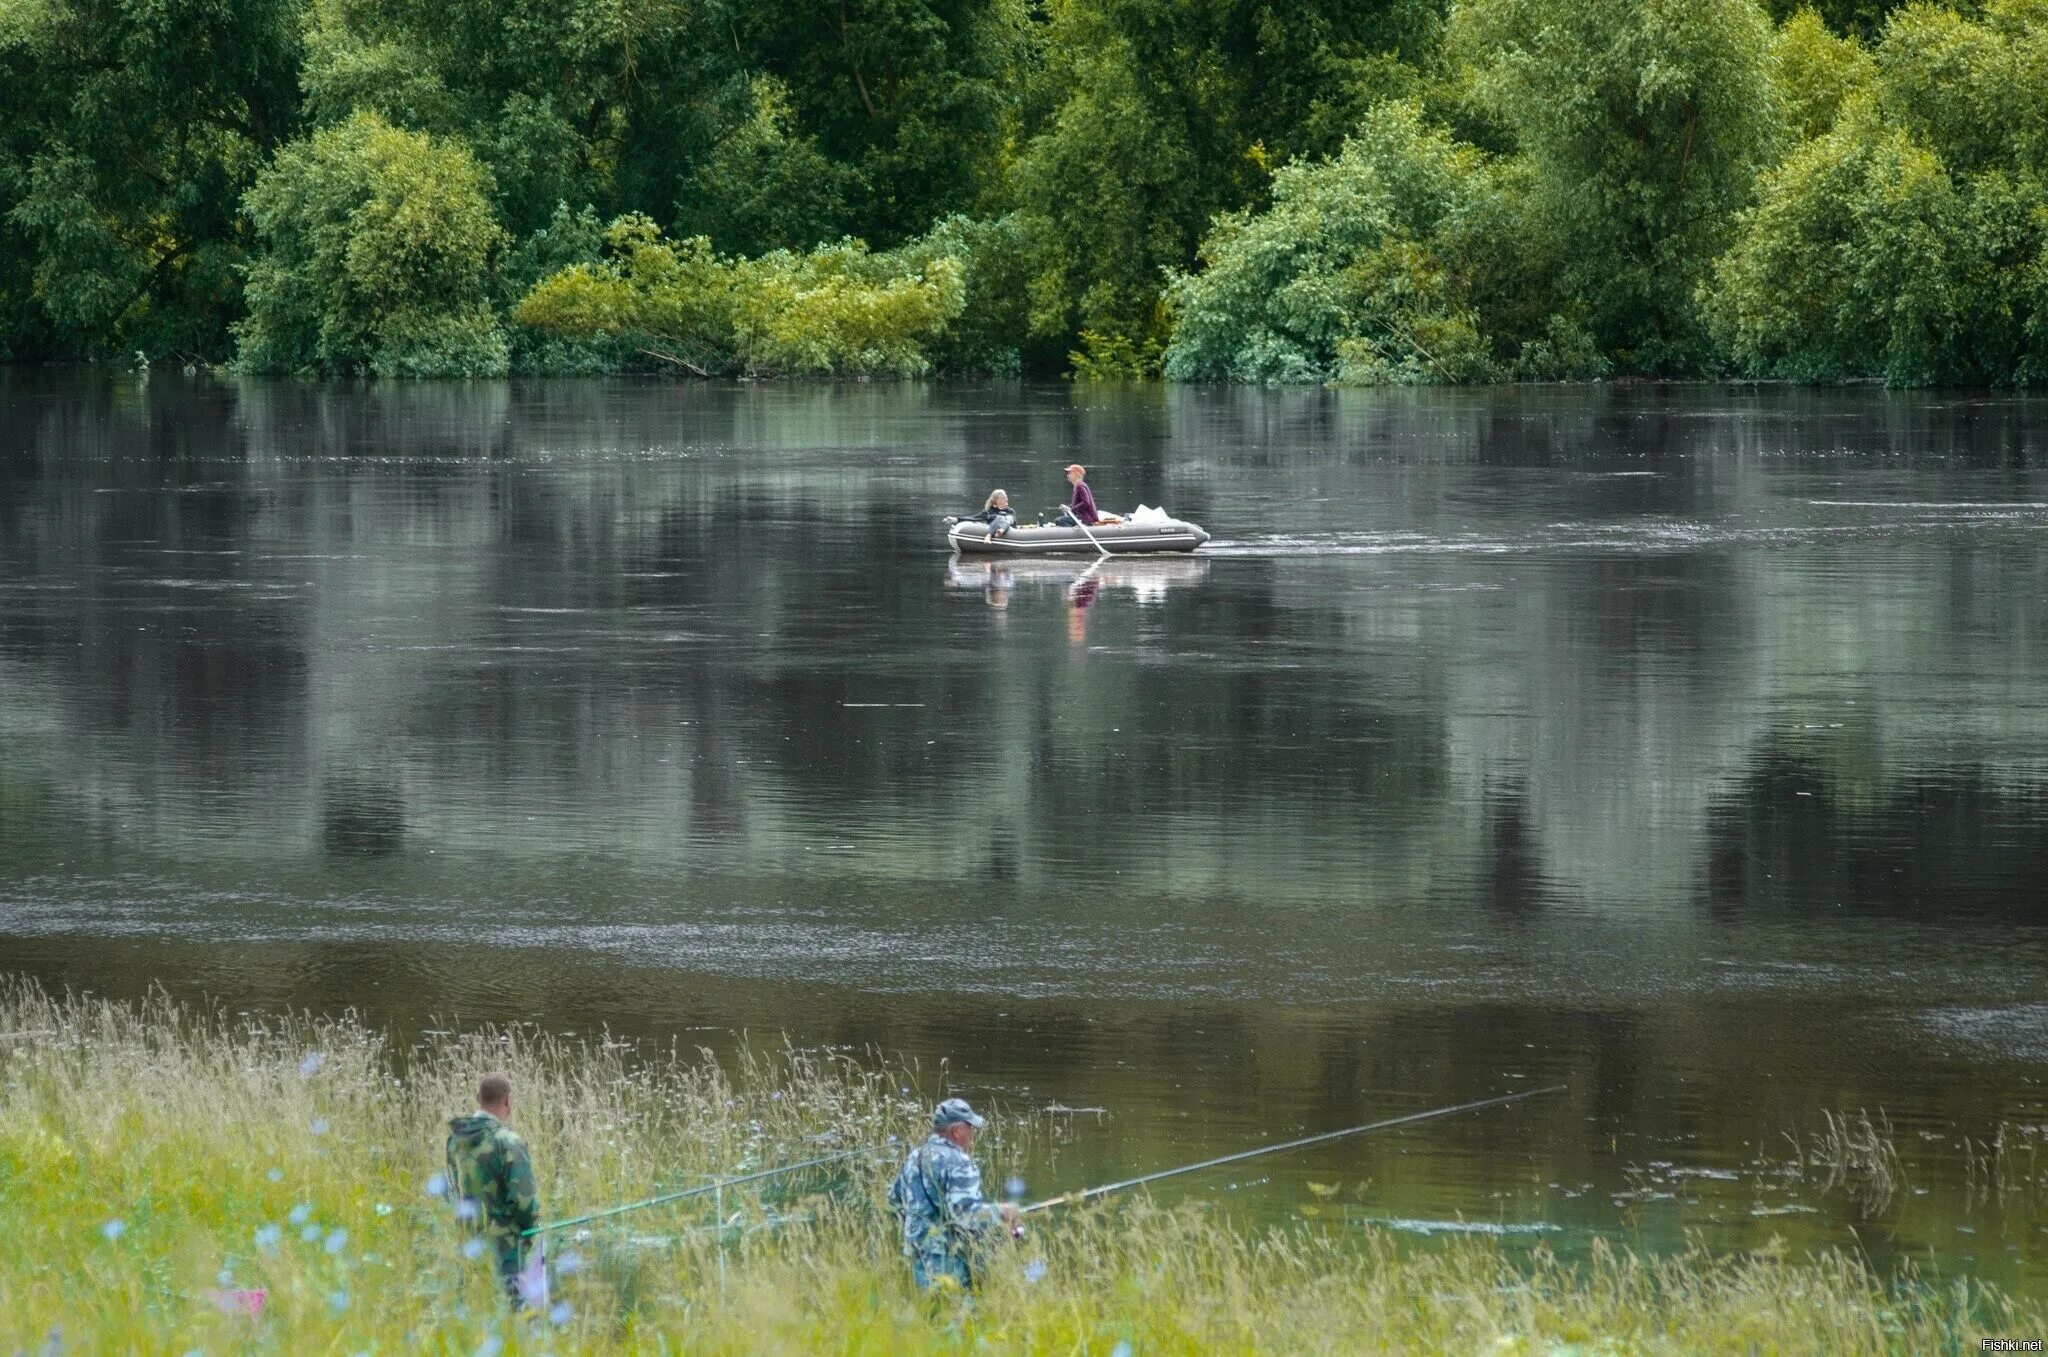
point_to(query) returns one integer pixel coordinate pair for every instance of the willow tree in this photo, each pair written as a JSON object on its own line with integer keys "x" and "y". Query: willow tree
{"x": 1644, "y": 124}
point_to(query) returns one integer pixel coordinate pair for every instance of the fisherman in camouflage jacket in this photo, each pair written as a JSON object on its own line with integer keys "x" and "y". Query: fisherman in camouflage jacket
{"x": 490, "y": 1179}
{"x": 938, "y": 1197}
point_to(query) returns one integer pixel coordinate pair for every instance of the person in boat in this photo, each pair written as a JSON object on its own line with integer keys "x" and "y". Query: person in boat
{"x": 937, "y": 1197}
{"x": 997, "y": 513}
{"x": 1080, "y": 509}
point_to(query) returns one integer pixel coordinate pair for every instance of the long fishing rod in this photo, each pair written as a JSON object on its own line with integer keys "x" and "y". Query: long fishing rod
{"x": 704, "y": 1190}
{"x": 1409, "y": 1120}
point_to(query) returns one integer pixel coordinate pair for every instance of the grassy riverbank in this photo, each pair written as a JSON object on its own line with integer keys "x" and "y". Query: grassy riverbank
{"x": 156, "y": 1164}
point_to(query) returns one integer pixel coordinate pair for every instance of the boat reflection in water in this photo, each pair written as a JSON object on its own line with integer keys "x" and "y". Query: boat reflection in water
{"x": 1148, "y": 578}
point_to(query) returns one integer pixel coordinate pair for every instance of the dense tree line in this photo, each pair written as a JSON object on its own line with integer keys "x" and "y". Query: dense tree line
{"x": 1328, "y": 190}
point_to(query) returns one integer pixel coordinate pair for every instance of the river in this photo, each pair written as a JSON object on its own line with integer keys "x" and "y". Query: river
{"x": 1687, "y": 745}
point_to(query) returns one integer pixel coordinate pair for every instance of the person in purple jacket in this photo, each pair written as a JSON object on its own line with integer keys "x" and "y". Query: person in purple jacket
{"x": 1081, "y": 508}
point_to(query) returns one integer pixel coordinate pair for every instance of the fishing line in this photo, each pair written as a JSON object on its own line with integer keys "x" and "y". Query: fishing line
{"x": 704, "y": 1190}
{"x": 1408, "y": 1120}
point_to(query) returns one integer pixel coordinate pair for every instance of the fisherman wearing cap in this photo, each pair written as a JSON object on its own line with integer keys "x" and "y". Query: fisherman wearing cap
{"x": 938, "y": 1195}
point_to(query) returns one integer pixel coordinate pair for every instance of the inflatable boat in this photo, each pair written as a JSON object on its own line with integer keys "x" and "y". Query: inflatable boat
{"x": 1160, "y": 534}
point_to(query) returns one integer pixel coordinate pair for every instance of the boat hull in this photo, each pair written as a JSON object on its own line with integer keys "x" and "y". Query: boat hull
{"x": 1119, "y": 539}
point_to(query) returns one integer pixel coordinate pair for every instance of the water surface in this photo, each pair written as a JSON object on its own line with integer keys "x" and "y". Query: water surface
{"x": 1687, "y": 745}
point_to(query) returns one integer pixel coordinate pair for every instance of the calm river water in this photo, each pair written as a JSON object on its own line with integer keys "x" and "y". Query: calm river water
{"x": 1688, "y": 746}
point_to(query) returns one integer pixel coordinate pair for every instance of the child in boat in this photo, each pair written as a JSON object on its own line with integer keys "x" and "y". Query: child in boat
{"x": 997, "y": 513}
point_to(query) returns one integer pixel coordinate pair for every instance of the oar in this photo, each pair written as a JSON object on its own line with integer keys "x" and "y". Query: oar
{"x": 718, "y": 1186}
{"x": 1409, "y": 1120}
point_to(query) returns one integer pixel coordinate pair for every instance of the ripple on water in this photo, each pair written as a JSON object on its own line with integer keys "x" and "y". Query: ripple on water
{"x": 1484, "y": 1227}
{"x": 2009, "y": 1031}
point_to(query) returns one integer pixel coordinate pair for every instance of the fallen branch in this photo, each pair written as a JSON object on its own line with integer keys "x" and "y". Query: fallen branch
{"x": 678, "y": 361}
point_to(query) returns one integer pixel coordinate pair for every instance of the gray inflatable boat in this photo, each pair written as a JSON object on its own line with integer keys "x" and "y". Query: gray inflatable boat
{"x": 1119, "y": 539}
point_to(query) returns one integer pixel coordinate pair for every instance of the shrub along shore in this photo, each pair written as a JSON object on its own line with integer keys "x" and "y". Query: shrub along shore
{"x": 160, "y": 1167}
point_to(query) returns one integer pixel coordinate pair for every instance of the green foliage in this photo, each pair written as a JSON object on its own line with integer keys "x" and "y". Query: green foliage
{"x": 1645, "y": 122}
{"x": 576, "y": 100}
{"x": 1852, "y": 18}
{"x": 1974, "y": 90}
{"x": 992, "y": 329}
{"x": 1841, "y": 267}
{"x": 1113, "y": 358}
{"x": 1327, "y": 190}
{"x": 1361, "y": 267}
{"x": 1148, "y": 119}
{"x": 1816, "y": 73}
{"x": 1911, "y": 241}
{"x": 836, "y": 311}
{"x": 766, "y": 185}
{"x": 909, "y": 98}
{"x": 568, "y": 239}
{"x": 128, "y": 131}
{"x": 377, "y": 251}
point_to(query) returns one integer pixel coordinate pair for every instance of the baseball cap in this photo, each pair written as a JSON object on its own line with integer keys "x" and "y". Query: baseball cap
{"x": 953, "y": 1111}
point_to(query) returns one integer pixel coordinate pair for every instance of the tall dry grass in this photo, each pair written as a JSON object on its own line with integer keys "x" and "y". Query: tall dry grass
{"x": 156, "y": 1161}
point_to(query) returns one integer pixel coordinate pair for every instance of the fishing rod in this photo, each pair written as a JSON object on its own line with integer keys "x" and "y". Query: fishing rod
{"x": 704, "y": 1190}
{"x": 1076, "y": 1198}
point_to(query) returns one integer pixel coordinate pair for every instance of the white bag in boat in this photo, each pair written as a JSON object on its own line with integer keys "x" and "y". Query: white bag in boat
{"x": 1144, "y": 516}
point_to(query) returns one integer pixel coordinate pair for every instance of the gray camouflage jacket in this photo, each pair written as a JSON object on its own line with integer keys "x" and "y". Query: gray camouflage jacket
{"x": 938, "y": 1196}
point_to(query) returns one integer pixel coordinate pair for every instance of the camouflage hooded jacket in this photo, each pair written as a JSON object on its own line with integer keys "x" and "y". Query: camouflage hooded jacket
{"x": 937, "y": 1196}
{"x": 488, "y": 1165}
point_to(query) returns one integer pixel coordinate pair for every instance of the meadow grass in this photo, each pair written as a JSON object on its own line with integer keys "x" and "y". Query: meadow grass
{"x": 155, "y": 1160}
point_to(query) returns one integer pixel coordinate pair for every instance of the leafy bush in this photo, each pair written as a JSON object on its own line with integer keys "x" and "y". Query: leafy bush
{"x": 993, "y": 327}
{"x": 1840, "y": 268}
{"x": 377, "y": 252}
{"x": 839, "y": 310}
{"x": 1361, "y": 268}
{"x": 568, "y": 239}
{"x": 1911, "y": 241}
{"x": 1114, "y": 357}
